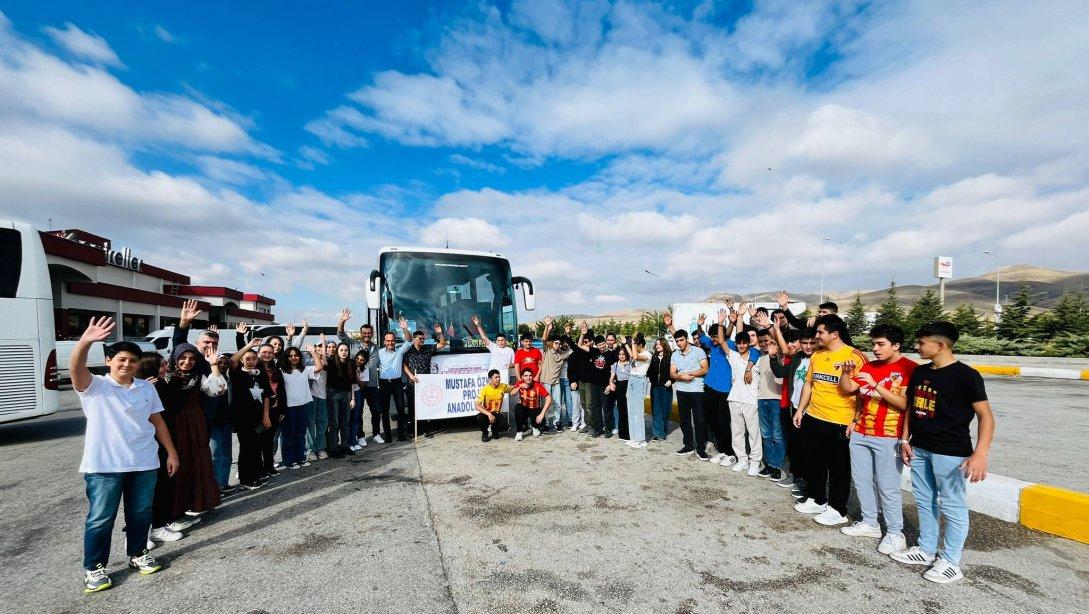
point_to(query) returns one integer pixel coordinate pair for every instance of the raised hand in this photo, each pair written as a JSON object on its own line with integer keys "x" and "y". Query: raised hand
{"x": 548, "y": 321}
{"x": 567, "y": 329}
{"x": 667, "y": 319}
{"x": 773, "y": 349}
{"x": 729, "y": 303}
{"x": 310, "y": 349}
{"x": 321, "y": 341}
{"x": 438, "y": 329}
{"x": 189, "y": 312}
{"x": 345, "y": 315}
{"x": 763, "y": 321}
{"x": 211, "y": 356}
{"x": 783, "y": 299}
{"x": 403, "y": 323}
{"x": 476, "y": 321}
{"x": 752, "y": 311}
{"x": 701, "y": 318}
{"x": 290, "y": 329}
{"x": 98, "y": 329}
{"x": 584, "y": 327}
{"x": 214, "y": 328}
{"x": 733, "y": 317}
{"x": 242, "y": 328}
{"x": 849, "y": 368}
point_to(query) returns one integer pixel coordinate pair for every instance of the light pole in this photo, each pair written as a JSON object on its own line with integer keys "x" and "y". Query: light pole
{"x": 824, "y": 244}
{"x": 997, "y": 286}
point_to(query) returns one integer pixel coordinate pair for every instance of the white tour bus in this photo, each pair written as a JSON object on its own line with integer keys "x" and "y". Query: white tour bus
{"x": 28, "y": 358}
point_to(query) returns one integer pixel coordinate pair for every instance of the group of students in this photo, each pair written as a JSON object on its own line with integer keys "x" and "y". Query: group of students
{"x": 781, "y": 398}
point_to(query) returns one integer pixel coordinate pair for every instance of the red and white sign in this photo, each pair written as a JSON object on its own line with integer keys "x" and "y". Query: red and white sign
{"x": 943, "y": 267}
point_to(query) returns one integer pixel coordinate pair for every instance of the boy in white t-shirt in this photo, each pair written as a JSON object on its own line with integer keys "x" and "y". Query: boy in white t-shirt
{"x": 501, "y": 353}
{"x": 744, "y": 419}
{"x": 120, "y": 454}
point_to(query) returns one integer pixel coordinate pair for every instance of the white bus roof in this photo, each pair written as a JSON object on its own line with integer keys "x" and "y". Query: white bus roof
{"x": 441, "y": 250}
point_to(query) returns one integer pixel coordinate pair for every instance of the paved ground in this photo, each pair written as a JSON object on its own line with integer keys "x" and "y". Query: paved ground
{"x": 559, "y": 524}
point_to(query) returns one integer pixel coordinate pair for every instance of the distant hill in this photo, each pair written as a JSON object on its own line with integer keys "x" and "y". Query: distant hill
{"x": 1045, "y": 285}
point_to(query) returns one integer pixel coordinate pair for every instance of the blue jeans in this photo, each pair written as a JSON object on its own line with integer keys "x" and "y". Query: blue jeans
{"x": 661, "y": 403}
{"x": 771, "y": 431}
{"x": 637, "y": 417}
{"x": 565, "y": 396}
{"x": 937, "y": 477}
{"x": 294, "y": 429}
{"x": 315, "y": 431}
{"x": 355, "y": 422}
{"x": 221, "y": 440}
{"x": 104, "y": 494}
{"x": 559, "y": 414}
{"x": 336, "y": 406}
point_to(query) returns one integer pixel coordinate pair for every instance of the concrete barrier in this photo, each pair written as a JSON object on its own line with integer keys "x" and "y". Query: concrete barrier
{"x": 1046, "y": 372}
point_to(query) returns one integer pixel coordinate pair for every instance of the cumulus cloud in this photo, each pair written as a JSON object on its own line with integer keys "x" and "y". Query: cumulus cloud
{"x": 468, "y": 232}
{"x": 84, "y": 45}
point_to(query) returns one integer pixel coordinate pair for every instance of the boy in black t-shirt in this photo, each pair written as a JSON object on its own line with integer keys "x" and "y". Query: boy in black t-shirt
{"x": 942, "y": 399}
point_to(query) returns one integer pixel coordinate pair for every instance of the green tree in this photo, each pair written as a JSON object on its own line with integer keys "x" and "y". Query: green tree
{"x": 1071, "y": 314}
{"x": 890, "y": 311}
{"x": 857, "y": 322}
{"x": 925, "y": 310}
{"x": 1014, "y": 322}
{"x": 967, "y": 320}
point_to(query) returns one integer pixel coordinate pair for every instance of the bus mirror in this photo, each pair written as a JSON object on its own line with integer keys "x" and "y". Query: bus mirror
{"x": 528, "y": 297}
{"x": 374, "y": 290}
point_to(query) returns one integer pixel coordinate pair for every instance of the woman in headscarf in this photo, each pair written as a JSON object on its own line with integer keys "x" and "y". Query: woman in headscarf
{"x": 193, "y": 486}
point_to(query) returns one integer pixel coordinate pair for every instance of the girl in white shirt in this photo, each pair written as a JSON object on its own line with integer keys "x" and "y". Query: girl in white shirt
{"x": 300, "y": 403}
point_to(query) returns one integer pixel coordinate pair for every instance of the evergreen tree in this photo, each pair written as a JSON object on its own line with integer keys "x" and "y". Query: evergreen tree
{"x": 890, "y": 311}
{"x": 1071, "y": 314}
{"x": 857, "y": 322}
{"x": 1014, "y": 322}
{"x": 967, "y": 320}
{"x": 925, "y": 310}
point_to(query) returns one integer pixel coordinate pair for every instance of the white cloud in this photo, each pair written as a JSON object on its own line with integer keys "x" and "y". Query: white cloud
{"x": 39, "y": 86}
{"x": 609, "y": 298}
{"x": 481, "y": 165}
{"x": 84, "y": 45}
{"x": 163, "y": 34}
{"x": 468, "y": 232}
{"x": 311, "y": 156}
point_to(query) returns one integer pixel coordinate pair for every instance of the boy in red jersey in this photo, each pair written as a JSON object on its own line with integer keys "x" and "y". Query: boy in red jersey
{"x": 875, "y": 432}
{"x": 528, "y": 357}
{"x": 533, "y": 404}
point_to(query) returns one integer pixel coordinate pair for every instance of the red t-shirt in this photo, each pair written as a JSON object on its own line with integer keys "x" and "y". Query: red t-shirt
{"x": 527, "y": 359}
{"x": 878, "y": 418}
{"x": 531, "y": 397}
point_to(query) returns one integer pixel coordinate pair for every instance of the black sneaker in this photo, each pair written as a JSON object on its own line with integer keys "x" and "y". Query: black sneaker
{"x": 595, "y": 433}
{"x": 349, "y": 451}
{"x": 685, "y": 451}
{"x": 228, "y": 489}
{"x": 703, "y": 455}
{"x": 776, "y": 475}
{"x": 253, "y": 486}
{"x": 484, "y": 437}
{"x": 765, "y": 472}
{"x": 655, "y": 439}
{"x": 608, "y": 434}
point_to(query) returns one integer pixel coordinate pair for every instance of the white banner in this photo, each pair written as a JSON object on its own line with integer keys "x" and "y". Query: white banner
{"x": 451, "y": 389}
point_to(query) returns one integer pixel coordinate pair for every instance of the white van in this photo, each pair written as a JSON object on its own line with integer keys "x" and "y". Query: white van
{"x": 96, "y": 358}
{"x": 28, "y": 357}
{"x": 160, "y": 340}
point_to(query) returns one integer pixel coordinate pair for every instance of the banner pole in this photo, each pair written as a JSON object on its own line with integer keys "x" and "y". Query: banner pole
{"x": 415, "y": 419}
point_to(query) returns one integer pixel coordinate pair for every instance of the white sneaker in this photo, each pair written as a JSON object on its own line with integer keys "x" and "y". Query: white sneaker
{"x": 754, "y": 469}
{"x": 194, "y": 514}
{"x": 642, "y": 444}
{"x": 810, "y": 506}
{"x": 728, "y": 461}
{"x": 861, "y": 529}
{"x": 892, "y": 542}
{"x": 741, "y": 465}
{"x": 635, "y": 444}
{"x": 574, "y": 428}
{"x": 305, "y": 464}
{"x": 378, "y": 438}
{"x": 150, "y": 545}
{"x": 717, "y": 458}
{"x": 536, "y": 432}
{"x": 518, "y": 436}
{"x": 294, "y": 466}
{"x": 912, "y": 556}
{"x": 943, "y": 572}
{"x": 181, "y": 525}
{"x": 165, "y": 534}
{"x": 616, "y": 431}
{"x": 322, "y": 454}
{"x": 830, "y": 517}
{"x": 362, "y": 442}
{"x": 311, "y": 457}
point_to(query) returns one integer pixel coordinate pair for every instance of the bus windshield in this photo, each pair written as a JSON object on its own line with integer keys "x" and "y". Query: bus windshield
{"x": 448, "y": 289}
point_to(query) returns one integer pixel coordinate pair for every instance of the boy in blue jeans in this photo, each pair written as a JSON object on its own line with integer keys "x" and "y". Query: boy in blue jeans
{"x": 942, "y": 399}
{"x": 120, "y": 454}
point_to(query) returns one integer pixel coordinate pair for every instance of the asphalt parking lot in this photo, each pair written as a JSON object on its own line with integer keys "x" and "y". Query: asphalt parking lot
{"x": 556, "y": 524}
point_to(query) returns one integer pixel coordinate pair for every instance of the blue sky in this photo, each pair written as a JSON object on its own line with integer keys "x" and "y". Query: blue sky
{"x": 716, "y": 144}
